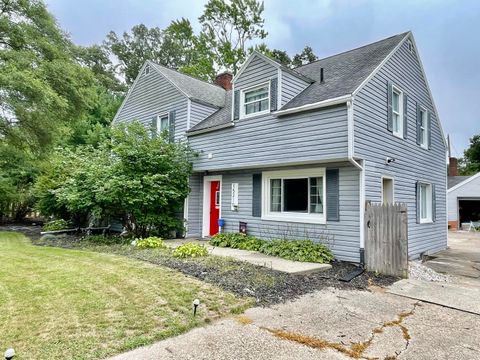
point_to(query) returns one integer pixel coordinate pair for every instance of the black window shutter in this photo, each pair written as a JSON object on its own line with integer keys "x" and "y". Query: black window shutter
{"x": 419, "y": 123}
{"x": 154, "y": 126}
{"x": 236, "y": 105}
{"x": 429, "y": 133}
{"x": 389, "y": 107}
{"x": 417, "y": 195}
{"x": 273, "y": 94}
{"x": 257, "y": 195}
{"x": 405, "y": 116}
{"x": 171, "y": 124}
{"x": 434, "y": 203}
{"x": 333, "y": 192}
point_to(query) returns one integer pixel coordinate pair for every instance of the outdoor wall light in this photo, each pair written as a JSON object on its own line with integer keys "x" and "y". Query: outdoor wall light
{"x": 389, "y": 160}
{"x": 9, "y": 354}
{"x": 196, "y": 302}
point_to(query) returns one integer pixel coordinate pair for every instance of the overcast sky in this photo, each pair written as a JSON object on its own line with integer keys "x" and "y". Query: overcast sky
{"x": 447, "y": 34}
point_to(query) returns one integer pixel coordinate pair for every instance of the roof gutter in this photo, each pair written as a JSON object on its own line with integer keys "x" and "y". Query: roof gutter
{"x": 317, "y": 105}
{"x": 203, "y": 131}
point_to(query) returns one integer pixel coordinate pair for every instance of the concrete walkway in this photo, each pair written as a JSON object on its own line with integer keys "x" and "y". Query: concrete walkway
{"x": 329, "y": 324}
{"x": 256, "y": 258}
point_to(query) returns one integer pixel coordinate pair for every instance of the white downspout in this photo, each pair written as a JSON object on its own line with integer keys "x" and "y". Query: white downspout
{"x": 361, "y": 167}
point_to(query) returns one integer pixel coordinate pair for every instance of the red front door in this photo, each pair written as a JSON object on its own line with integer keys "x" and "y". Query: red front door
{"x": 214, "y": 206}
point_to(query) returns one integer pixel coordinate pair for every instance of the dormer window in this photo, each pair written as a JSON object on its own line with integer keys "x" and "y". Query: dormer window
{"x": 255, "y": 100}
{"x": 146, "y": 71}
{"x": 410, "y": 46}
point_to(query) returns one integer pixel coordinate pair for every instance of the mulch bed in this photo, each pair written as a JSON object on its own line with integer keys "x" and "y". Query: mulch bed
{"x": 265, "y": 285}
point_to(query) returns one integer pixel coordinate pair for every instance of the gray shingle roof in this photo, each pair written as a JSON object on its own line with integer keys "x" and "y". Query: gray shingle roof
{"x": 218, "y": 118}
{"x": 343, "y": 72}
{"x": 455, "y": 180}
{"x": 195, "y": 89}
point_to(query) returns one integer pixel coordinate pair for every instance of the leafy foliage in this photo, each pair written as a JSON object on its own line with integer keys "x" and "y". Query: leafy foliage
{"x": 134, "y": 177}
{"x": 151, "y": 242}
{"x": 237, "y": 241}
{"x": 305, "y": 57}
{"x": 470, "y": 163}
{"x": 59, "y": 224}
{"x": 297, "y": 250}
{"x": 190, "y": 250}
{"x": 105, "y": 240}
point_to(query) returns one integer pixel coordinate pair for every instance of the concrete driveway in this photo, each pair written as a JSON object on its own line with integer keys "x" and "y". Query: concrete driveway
{"x": 461, "y": 259}
{"x": 331, "y": 324}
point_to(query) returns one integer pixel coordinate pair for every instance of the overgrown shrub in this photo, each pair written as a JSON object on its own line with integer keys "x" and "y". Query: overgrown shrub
{"x": 59, "y": 224}
{"x": 298, "y": 250}
{"x": 190, "y": 250}
{"x": 151, "y": 242}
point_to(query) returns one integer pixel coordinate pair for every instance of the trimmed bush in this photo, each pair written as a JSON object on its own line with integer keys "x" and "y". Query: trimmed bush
{"x": 59, "y": 224}
{"x": 191, "y": 250}
{"x": 151, "y": 242}
{"x": 298, "y": 250}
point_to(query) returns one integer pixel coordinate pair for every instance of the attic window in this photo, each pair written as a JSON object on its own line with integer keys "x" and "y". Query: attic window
{"x": 410, "y": 46}
{"x": 146, "y": 71}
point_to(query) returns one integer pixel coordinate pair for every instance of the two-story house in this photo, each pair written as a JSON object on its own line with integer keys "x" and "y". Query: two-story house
{"x": 296, "y": 153}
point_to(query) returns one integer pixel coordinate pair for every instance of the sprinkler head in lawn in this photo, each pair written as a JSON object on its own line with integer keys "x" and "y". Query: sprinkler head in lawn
{"x": 196, "y": 302}
{"x": 9, "y": 354}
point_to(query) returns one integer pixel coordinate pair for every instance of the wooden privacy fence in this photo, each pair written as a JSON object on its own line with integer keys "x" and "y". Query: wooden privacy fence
{"x": 386, "y": 239}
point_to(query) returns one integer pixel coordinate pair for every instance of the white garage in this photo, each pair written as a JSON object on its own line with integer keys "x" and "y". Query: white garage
{"x": 463, "y": 201}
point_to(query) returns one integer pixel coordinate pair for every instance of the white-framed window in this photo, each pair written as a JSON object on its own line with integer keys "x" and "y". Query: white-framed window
{"x": 423, "y": 128}
{"x": 255, "y": 100}
{"x": 397, "y": 112}
{"x": 294, "y": 195}
{"x": 410, "y": 46}
{"x": 425, "y": 202}
{"x": 146, "y": 71}
{"x": 163, "y": 123}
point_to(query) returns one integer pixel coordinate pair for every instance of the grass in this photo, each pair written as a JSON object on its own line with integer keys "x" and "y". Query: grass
{"x": 70, "y": 304}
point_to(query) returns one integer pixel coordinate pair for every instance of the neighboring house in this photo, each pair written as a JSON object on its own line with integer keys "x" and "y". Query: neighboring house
{"x": 297, "y": 153}
{"x": 463, "y": 198}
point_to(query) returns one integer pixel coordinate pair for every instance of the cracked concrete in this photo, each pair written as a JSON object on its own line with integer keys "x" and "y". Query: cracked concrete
{"x": 324, "y": 324}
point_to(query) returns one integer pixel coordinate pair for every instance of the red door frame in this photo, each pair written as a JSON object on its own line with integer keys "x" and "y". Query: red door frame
{"x": 214, "y": 206}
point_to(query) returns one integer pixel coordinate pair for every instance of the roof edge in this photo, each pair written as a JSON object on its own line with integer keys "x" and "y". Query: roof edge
{"x": 464, "y": 182}
{"x": 210, "y": 129}
{"x": 313, "y": 106}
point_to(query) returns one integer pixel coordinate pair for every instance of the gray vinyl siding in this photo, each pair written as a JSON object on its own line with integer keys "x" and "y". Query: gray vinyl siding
{"x": 195, "y": 204}
{"x": 257, "y": 72}
{"x": 374, "y": 143}
{"x": 267, "y": 140}
{"x": 291, "y": 87}
{"x": 154, "y": 95}
{"x": 342, "y": 236}
{"x": 199, "y": 112}
{"x": 470, "y": 190}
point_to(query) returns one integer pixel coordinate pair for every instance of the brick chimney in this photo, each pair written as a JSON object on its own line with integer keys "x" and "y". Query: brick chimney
{"x": 224, "y": 80}
{"x": 453, "y": 167}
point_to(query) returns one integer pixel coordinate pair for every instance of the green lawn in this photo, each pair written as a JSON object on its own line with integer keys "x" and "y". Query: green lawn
{"x": 70, "y": 304}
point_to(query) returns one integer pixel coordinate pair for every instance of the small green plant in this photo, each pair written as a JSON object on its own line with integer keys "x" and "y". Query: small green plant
{"x": 298, "y": 250}
{"x": 59, "y": 224}
{"x": 190, "y": 250}
{"x": 105, "y": 240}
{"x": 237, "y": 241}
{"x": 151, "y": 242}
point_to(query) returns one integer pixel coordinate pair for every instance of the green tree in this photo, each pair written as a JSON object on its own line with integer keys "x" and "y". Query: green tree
{"x": 176, "y": 47}
{"x": 229, "y": 28}
{"x": 133, "y": 177}
{"x": 470, "y": 163}
{"x": 305, "y": 57}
